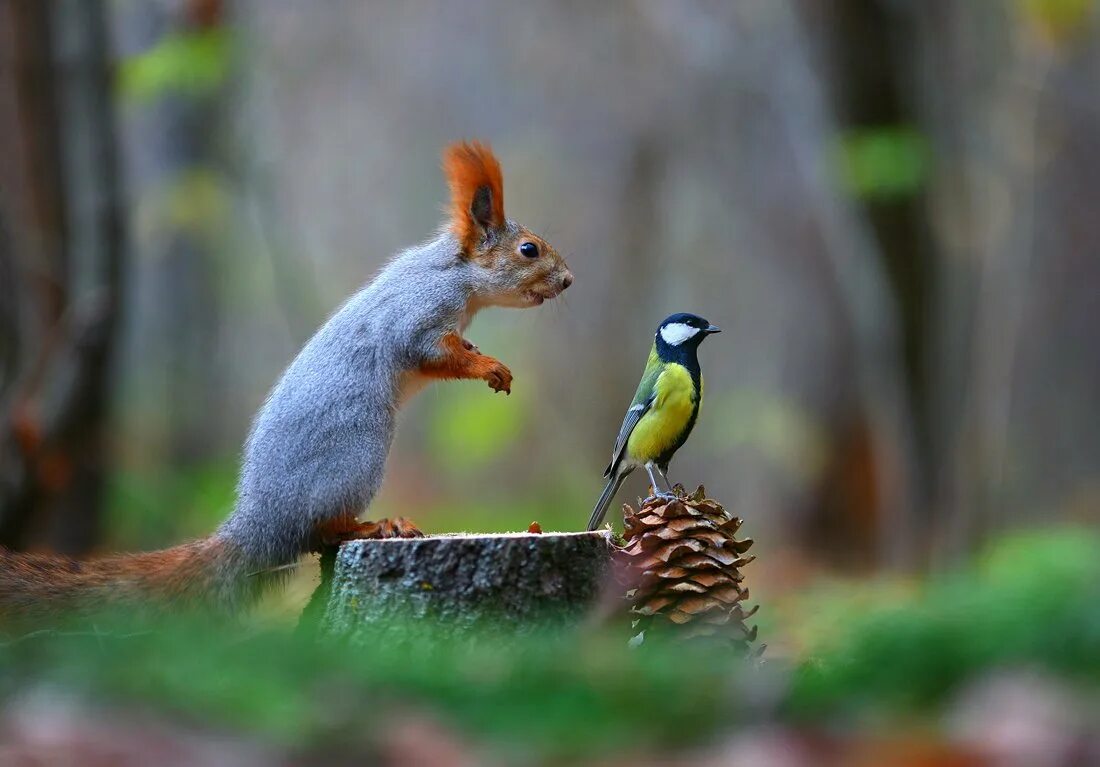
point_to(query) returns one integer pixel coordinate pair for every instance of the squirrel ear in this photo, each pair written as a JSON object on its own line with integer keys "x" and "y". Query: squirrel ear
{"x": 477, "y": 192}
{"x": 481, "y": 208}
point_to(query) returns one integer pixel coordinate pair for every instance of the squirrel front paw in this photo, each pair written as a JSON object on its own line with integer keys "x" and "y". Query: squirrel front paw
{"x": 499, "y": 377}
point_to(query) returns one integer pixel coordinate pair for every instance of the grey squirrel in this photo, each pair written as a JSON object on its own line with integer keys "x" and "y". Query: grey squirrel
{"x": 317, "y": 449}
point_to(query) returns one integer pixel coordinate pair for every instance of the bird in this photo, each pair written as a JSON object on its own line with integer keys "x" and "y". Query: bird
{"x": 663, "y": 411}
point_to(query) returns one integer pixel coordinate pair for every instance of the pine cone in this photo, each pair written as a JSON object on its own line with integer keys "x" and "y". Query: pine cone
{"x": 682, "y": 560}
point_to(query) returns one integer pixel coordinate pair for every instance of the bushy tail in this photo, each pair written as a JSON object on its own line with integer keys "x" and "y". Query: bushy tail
{"x": 606, "y": 497}
{"x": 39, "y": 587}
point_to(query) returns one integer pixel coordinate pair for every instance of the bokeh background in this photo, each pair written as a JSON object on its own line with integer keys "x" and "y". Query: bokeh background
{"x": 888, "y": 206}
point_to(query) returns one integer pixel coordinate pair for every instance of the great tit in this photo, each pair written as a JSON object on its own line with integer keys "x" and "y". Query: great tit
{"x": 664, "y": 408}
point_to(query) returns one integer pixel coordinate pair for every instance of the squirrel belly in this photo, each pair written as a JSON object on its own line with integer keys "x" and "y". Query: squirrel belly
{"x": 316, "y": 452}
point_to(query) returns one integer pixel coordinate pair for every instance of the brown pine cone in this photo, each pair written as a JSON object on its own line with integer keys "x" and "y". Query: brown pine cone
{"x": 683, "y": 563}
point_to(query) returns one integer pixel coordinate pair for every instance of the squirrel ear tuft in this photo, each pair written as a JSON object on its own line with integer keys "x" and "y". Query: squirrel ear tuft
{"x": 477, "y": 191}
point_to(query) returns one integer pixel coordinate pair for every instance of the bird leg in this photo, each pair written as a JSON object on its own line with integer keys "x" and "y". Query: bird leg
{"x": 663, "y": 475}
{"x": 657, "y": 493}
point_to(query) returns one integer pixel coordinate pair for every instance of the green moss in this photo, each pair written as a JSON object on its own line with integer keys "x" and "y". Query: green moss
{"x": 550, "y": 693}
{"x": 1031, "y": 601}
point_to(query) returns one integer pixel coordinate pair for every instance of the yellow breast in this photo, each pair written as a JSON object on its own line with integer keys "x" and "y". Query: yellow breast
{"x": 661, "y": 428}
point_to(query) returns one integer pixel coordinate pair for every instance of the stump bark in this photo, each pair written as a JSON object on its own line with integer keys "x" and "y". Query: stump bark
{"x": 400, "y": 589}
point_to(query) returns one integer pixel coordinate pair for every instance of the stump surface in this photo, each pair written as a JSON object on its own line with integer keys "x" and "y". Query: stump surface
{"x": 513, "y": 582}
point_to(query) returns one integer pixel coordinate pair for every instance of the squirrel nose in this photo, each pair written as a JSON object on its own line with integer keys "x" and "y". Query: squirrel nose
{"x": 567, "y": 280}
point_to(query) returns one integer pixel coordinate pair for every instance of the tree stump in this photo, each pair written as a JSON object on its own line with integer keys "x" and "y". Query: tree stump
{"x": 399, "y": 589}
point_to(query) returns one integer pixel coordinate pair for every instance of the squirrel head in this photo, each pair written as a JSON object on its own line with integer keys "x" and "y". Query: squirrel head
{"x": 513, "y": 266}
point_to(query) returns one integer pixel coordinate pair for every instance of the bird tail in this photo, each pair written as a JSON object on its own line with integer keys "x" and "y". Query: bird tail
{"x": 605, "y": 500}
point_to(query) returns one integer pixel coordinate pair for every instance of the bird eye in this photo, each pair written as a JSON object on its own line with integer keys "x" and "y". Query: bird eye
{"x": 529, "y": 249}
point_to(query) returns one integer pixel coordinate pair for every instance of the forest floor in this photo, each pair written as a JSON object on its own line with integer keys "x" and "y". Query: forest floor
{"x": 998, "y": 663}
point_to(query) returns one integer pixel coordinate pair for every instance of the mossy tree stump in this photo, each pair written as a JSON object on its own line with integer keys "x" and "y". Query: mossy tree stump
{"x": 405, "y": 588}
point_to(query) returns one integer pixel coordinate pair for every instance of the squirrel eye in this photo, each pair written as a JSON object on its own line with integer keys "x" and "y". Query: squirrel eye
{"x": 529, "y": 249}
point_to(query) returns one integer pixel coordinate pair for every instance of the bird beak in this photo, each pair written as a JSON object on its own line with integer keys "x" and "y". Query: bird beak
{"x": 713, "y": 329}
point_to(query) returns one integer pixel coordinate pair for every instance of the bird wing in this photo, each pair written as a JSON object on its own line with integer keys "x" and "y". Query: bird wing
{"x": 643, "y": 401}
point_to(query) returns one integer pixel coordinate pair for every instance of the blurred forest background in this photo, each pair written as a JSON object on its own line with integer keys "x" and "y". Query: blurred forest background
{"x": 888, "y": 205}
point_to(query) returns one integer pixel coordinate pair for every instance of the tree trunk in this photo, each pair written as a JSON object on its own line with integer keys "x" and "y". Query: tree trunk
{"x": 398, "y": 589}
{"x": 65, "y": 252}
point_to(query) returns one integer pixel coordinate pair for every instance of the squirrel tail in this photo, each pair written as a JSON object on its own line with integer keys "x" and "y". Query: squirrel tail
{"x": 202, "y": 573}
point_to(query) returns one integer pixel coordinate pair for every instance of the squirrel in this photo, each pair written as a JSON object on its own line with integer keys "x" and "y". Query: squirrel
{"x": 316, "y": 452}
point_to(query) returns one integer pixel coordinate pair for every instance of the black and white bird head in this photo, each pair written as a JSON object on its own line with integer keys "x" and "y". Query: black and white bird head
{"x": 683, "y": 331}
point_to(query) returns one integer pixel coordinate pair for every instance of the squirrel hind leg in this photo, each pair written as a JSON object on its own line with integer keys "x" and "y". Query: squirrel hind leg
{"x": 397, "y": 527}
{"x": 333, "y": 532}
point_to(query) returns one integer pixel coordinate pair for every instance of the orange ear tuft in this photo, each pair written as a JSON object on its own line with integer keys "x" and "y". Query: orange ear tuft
{"x": 477, "y": 191}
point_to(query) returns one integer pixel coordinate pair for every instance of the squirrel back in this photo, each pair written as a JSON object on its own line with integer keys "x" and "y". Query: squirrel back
{"x": 315, "y": 455}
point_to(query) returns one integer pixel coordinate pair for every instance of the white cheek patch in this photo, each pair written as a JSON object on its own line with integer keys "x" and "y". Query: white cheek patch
{"x": 676, "y": 333}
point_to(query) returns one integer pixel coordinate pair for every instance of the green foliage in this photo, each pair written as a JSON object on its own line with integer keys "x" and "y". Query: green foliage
{"x": 147, "y": 509}
{"x": 196, "y": 200}
{"x": 191, "y": 64}
{"x": 1058, "y": 19}
{"x": 548, "y": 693}
{"x": 1032, "y": 601}
{"x": 553, "y": 510}
{"x": 468, "y": 429}
{"x": 883, "y": 163}
{"x": 778, "y": 428}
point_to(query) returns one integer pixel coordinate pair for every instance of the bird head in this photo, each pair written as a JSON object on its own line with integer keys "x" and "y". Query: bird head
{"x": 683, "y": 331}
